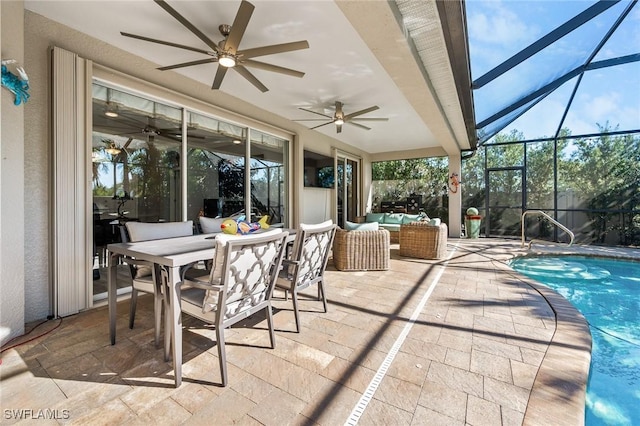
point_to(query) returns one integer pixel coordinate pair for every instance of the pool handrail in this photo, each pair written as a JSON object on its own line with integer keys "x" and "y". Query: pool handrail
{"x": 550, "y": 219}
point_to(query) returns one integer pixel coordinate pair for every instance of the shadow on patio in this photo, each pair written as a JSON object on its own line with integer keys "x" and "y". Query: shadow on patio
{"x": 454, "y": 341}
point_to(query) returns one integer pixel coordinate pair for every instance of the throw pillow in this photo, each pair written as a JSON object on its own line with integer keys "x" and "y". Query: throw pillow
{"x": 210, "y": 225}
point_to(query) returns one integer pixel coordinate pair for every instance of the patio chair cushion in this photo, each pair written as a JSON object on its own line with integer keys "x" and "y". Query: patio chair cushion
{"x": 367, "y": 226}
{"x": 393, "y": 219}
{"x": 142, "y": 231}
{"x": 210, "y": 225}
{"x": 375, "y": 217}
{"x": 408, "y": 218}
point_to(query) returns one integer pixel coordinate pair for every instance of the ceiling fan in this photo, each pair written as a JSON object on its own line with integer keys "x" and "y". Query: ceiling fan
{"x": 226, "y": 53}
{"x": 339, "y": 118}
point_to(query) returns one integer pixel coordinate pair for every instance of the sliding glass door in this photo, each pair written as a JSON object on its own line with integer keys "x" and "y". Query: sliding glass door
{"x": 155, "y": 162}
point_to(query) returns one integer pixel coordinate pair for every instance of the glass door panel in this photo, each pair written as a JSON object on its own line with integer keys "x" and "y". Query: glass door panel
{"x": 348, "y": 190}
{"x": 135, "y": 153}
{"x": 215, "y": 167}
{"x": 268, "y": 154}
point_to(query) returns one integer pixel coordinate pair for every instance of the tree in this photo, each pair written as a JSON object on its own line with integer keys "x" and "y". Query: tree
{"x": 399, "y": 179}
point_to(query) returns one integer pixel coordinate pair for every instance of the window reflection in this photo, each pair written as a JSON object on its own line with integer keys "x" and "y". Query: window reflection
{"x": 135, "y": 157}
{"x": 137, "y": 172}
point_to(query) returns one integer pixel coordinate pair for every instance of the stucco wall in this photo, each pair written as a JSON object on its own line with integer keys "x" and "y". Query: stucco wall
{"x": 40, "y": 35}
{"x": 12, "y": 222}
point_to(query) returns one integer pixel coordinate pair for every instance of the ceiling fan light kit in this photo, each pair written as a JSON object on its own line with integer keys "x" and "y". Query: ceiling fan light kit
{"x": 227, "y": 61}
{"x": 111, "y": 110}
{"x": 226, "y": 53}
{"x": 113, "y": 149}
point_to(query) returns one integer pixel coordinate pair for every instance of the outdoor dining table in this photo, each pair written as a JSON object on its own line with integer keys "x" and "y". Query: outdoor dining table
{"x": 170, "y": 254}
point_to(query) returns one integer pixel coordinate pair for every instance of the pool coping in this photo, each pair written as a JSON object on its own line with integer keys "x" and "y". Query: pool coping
{"x": 558, "y": 395}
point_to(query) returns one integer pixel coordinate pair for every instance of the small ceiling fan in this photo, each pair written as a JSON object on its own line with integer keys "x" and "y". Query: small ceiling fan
{"x": 339, "y": 118}
{"x": 226, "y": 53}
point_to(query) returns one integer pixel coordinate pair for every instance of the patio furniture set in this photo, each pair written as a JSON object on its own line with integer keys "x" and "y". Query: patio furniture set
{"x": 365, "y": 245}
{"x": 243, "y": 272}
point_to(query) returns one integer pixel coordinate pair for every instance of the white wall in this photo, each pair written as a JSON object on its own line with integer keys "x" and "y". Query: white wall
{"x": 12, "y": 186}
{"x": 317, "y": 205}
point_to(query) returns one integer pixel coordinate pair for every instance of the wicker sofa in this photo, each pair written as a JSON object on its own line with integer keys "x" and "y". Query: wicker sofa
{"x": 391, "y": 222}
{"x": 361, "y": 250}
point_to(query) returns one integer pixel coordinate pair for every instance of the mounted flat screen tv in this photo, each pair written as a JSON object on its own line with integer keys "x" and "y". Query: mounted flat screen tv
{"x": 318, "y": 170}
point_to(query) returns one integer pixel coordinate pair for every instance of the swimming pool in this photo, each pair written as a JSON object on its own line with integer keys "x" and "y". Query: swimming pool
{"x": 607, "y": 292}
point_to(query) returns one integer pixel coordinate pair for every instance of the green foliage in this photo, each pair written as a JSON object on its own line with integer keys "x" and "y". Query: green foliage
{"x": 597, "y": 177}
{"x": 399, "y": 179}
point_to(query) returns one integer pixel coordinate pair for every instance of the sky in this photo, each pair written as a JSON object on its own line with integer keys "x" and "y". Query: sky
{"x": 500, "y": 28}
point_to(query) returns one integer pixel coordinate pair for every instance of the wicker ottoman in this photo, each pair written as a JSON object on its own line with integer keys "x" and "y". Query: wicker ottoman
{"x": 361, "y": 250}
{"x": 423, "y": 241}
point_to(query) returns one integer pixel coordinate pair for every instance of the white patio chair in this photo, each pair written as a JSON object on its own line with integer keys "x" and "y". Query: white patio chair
{"x": 240, "y": 284}
{"x": 143, "y": 274}
{"x": 307, "y": 263}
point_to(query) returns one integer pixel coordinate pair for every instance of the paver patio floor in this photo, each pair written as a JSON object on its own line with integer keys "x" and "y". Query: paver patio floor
{"x": 458, "y": 341}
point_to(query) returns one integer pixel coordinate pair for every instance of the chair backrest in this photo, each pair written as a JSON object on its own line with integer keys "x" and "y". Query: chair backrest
{"x": 311, "y": 250}
{"x": 142, "y": 231}
{"x": 247, "y": 267}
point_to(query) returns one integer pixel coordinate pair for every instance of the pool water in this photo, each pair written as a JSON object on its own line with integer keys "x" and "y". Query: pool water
{"x": 607, "y": 293}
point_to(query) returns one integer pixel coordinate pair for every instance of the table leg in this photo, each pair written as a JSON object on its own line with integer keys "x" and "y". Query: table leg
{"x": 173, "y": 297}
{"x": 166, "y": 300}
{"x": 112, "y": 294}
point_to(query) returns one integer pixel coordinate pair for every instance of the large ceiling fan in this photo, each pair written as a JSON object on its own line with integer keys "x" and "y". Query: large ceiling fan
{"x": 339, "y": 118}
{"x": 226, "y": 53}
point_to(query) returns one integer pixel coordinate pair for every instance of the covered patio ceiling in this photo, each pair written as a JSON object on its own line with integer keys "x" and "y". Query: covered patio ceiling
{"x": 407, "y": 58}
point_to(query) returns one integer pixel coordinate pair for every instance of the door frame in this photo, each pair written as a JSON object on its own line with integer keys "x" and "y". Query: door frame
{"x": 343, "y": 157}
{"x": 488, "y": 207}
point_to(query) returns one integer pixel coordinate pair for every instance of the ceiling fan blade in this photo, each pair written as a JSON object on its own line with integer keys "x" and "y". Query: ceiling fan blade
{"x": 319, "y": 113}
{"x": 273, "y": 49}
{"x": 217, "y": 80}
{"x": 252, "y": 79}
{"x": 320, "y": 125}
{"x": 273, "y": 68}
{"x": 339, "y": 128}
{"x": 163, "y": 4}
{"x": 166, "y": 43}
{"x": 312, "y": 119}
{"x": 188, "y": 64}
{"x": 364, "y": 111}
{"x": 358, "y": 125}
{"x": 369, "y": 119}
{"x": 238, "y": 27}
{"x": 339, "y": 108}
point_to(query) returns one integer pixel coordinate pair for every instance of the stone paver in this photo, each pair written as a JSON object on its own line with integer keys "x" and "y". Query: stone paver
{"x": 473, "y": 355}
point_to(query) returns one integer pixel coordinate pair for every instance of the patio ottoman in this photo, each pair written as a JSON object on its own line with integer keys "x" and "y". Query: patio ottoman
{"x": 361, "y": 250}
{"x": 423, "y": 241}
